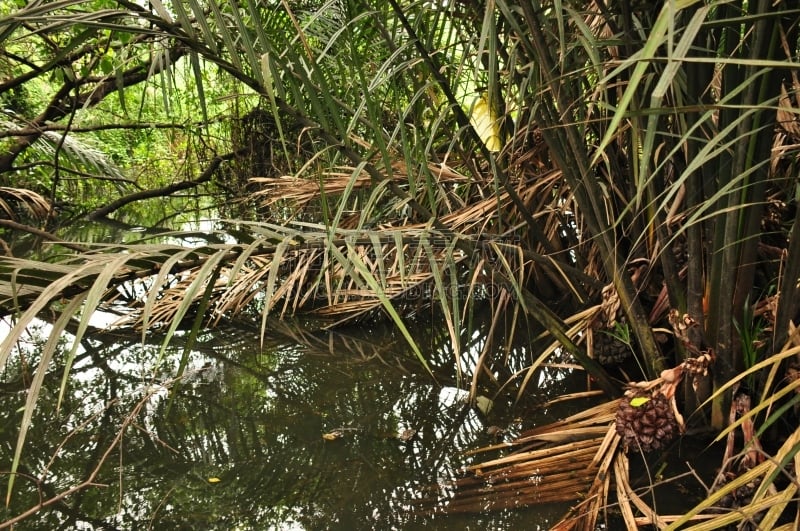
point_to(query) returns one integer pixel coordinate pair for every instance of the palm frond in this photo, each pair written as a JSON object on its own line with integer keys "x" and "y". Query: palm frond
{"x": 550, "y": 464}
{"x": 304, "y": 271}
{"x": 559, "y": 461}
{"x": 79, "y": 153}
{"x": 19, "y": 203}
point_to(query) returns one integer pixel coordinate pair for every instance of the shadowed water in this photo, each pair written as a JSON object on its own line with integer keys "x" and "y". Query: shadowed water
{"x": 242, "y": 440}
{"x": 307, "y": 429}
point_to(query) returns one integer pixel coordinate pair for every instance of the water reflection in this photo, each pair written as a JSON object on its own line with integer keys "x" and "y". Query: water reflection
{"x": 238, "y": 442}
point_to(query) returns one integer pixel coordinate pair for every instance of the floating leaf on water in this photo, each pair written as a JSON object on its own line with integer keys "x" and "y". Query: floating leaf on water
{"x": 639, "y": 401}
{"x": 332, "y": 436}
{"x": 495, "y": 431}
{"x": 214, "y": 480}
{"x": 484, "y": 404}
{"x": 407, "y": 434}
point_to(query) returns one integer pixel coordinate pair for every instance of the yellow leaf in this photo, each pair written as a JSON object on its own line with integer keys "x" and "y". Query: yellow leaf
{"x": 484, "y": 404}
{"x": 214, "y": 480}
{"x": 332, "y": 436}
{"x": 485, "y": 123}
{"x": 639, "y": 401}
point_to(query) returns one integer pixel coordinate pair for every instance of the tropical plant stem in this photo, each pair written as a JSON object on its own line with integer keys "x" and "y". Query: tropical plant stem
{"x": 568, "y": 149}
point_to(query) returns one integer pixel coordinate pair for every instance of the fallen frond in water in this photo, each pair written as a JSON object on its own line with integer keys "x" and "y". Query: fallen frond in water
{"x": 583, "y": 458}
{"x": 548, "y": 464}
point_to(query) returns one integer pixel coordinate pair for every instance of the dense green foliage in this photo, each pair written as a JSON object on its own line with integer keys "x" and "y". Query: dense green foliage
{"x": 585, "y": 167}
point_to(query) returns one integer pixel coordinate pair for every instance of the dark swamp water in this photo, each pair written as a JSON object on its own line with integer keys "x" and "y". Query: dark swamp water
{"x": 305, "y": 430}
{"x": 242, "y": 441}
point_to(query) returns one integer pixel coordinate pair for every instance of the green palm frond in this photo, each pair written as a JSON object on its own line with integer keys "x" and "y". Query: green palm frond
{"x": 294, "y": 271}
{"x": 76, "y": 156}
{"x": 80, "y": 154}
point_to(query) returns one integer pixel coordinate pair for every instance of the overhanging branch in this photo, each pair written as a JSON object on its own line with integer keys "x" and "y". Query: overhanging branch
{"x": 165, "y": 190}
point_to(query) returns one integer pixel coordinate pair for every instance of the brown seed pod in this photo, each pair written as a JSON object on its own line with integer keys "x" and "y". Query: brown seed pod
{"x": 646, "y": 420}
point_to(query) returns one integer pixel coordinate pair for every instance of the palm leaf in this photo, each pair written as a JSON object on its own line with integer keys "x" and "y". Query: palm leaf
{"x": 551, "y": 464}
{"x": 12, "y": 200}
{"x": 50, "y": 348}
{"x": 765, "y": 499}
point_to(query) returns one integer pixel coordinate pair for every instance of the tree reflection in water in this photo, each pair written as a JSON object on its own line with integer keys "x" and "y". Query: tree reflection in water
{"x": 238, "y": 441}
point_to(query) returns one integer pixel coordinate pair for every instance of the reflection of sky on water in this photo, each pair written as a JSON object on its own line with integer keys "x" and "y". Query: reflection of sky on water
{"x": 254, "y": 418}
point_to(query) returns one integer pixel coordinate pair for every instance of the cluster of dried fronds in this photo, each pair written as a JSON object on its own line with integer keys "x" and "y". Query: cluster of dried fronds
{"x": 558, "y": 462}
{"x": 547, "y": 465}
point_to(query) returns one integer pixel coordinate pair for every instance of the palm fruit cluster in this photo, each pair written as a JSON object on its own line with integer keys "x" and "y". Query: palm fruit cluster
{"x": 609, "y": 350}
{"x": 647, "y": 417}
{"x": 646, "y": 420}
{"x": 738, "y": 499}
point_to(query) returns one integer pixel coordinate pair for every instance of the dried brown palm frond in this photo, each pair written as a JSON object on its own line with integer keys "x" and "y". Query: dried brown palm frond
{"x": 17, "y": 203}
{"x": 578, "y": 458}
{"x": 302, "y": 190}
{"x": 464, "y": 206}
{"x": 342, "y": 277}
{"x": 474, "y": 217}
{"x": 550, "y": 464}
{"x": 585, "y": 514}
{"x": 346, "y": 277}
